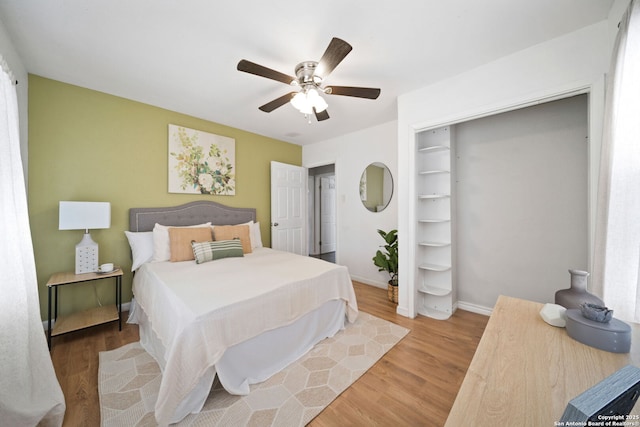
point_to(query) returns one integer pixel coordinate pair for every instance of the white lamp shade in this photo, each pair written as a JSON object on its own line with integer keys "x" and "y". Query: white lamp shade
{"x": 316, "y": 101}
{"x": 84, "y": 215}
{"x": 306, "y": 101}
{"x": 299, "y": 101}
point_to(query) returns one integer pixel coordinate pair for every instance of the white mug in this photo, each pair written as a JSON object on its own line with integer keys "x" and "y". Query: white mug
{"x": 105, "y": 268}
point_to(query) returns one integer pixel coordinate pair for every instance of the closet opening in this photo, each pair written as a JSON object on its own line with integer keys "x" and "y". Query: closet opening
{"x": 502, "y": 206}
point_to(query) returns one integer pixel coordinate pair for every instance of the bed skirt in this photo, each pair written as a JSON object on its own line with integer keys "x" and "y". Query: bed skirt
{"x": 251, "y": 361}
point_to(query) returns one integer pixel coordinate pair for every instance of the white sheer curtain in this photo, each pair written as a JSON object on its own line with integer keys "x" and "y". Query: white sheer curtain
{"x": 30, "y": 394}
{"x": 617, "y": 244}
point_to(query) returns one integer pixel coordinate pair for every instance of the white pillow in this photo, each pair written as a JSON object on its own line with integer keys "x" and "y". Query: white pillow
{"x": 161, "y": 246}
{"x": 256, "y": 237}
{"x": 141, "y": 247}
{"x": 254, "y": 233}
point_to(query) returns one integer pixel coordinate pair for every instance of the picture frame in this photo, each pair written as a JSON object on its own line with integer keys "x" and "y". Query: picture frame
{"x": 200, "y": 162}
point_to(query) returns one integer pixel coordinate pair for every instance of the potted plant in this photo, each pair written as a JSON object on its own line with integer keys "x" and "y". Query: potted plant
{"x": 388, "y": 261}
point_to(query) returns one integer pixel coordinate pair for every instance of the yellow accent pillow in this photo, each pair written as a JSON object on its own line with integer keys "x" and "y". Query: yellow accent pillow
{"x": 230, "y": 232}
{"x": 180, "y": 239}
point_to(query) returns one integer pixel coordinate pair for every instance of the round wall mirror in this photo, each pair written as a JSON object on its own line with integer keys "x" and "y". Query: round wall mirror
{"x": 376, "y": 187}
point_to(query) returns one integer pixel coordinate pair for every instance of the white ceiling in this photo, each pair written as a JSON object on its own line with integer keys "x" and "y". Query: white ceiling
{"x": 182, "y": 55}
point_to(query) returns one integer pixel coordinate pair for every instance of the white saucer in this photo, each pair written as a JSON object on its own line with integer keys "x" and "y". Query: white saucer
{"x": 107, "y": 272}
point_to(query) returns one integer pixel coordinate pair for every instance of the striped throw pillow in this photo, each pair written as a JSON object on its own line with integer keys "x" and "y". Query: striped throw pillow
{"x": 210, "y": 251}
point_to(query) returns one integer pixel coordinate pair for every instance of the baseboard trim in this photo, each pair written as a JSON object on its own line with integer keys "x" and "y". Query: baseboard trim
{"x": 402, "y": 311}
{"x": 125, "y": 307}
{"x": 475, "y": 308}
{"x": 369, "y": 282}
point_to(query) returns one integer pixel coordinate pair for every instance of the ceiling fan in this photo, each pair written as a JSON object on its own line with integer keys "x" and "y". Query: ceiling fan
{"x": 309, "y": 76}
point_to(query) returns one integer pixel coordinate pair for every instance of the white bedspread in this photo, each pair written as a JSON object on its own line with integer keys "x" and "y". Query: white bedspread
{"x": 198, "y": 311}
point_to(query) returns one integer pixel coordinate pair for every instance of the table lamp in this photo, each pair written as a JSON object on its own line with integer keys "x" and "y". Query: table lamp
{"x": 85, "y": 216}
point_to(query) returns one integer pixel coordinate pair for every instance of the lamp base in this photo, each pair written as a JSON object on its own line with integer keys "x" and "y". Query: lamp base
{"x": 86, "y": 255}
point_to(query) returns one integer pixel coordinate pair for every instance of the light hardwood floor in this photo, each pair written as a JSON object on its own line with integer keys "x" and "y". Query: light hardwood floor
{"x": 414, "y": 384}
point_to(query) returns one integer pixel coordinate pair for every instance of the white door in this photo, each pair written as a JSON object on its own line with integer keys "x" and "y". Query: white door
{"x": 289, "y": 208}
{"x": 328, "y": 214}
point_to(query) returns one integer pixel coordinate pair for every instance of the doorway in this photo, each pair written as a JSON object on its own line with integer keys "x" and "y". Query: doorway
{"x": 322, "y": 212}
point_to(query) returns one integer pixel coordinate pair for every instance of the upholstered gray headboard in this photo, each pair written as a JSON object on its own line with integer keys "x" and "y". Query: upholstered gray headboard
{"x": 143, "y": 219}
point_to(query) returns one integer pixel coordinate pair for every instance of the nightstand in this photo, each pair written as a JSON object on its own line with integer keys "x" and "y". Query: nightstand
{"x": 87, "y": 318}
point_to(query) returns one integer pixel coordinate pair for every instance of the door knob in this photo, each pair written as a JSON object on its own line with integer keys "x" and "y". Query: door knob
{"x": 275, "y": 224}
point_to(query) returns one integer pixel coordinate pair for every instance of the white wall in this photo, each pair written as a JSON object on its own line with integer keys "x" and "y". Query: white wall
{"x": 521, "y": 187}
{"x": 15, "y": 63}
{"x": 356, "y": 226}
{"x": 576, "y": 62}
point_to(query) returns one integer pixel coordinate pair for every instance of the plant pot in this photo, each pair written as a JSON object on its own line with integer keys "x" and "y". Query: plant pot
{"x": 392, "y": 292}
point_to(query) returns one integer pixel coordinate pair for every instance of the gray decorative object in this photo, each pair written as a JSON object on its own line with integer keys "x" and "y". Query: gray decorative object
{"x": 577, "y": 293}
{"x": 614, "y": 336}
{"x": 595, "y": 312}
{"x": 608, "y": 401}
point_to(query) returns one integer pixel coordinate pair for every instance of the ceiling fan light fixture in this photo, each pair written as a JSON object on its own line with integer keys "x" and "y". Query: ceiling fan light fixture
{"x": 299, "y": 102}
{"x": 308, "y": 100}
{"x": 316, "y": 101}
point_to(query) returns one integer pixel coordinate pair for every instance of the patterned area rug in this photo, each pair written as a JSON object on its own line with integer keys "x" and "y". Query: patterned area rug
{"x": 129, "y": 379}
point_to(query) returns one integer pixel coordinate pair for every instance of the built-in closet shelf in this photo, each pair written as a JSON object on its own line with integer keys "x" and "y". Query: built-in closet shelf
{"x": 432, "y": 172}
{"x": 435, "y": 314}
{"x": 432, "y": 196}
{"x": 434, "y": 244}
{"x": 434, "y": 228}
{"x": 433, "y": 149}
{"x": 434, "y": 267}
{"x": 434, "y": 290}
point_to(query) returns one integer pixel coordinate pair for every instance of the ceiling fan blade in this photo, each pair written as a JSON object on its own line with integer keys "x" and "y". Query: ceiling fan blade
{"x": 335, "y": 53}
{"x": 259, "y": 70}
{"x": 278, "y": 102}
{"x": 358, "y": 92}
{"x": 322, "y": 115}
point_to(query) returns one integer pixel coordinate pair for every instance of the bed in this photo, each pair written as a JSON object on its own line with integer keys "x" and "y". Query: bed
{"x": 242, "y": 318}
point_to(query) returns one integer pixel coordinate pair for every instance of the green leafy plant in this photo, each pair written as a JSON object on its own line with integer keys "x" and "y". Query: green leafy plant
{"x": 387, "y": 260}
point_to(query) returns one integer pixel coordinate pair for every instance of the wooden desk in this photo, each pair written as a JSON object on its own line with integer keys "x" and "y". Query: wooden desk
{"x": 524, "y": 371}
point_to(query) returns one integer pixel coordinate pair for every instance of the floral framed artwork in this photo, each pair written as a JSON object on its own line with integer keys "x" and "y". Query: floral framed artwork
{"x": 201, "y": 162}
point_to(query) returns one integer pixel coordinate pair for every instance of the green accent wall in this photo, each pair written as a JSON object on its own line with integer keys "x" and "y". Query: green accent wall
{"x": 89, "y": 146}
